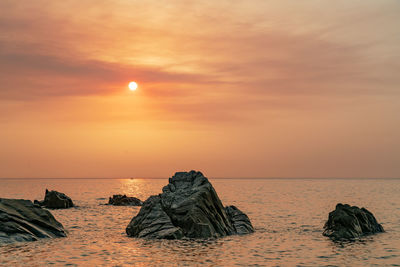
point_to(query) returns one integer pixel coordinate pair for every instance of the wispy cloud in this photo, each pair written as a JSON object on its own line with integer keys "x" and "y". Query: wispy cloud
{"x": 226, "y": 59}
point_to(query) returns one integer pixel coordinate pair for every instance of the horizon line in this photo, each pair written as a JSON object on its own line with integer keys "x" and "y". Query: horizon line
{"x": 216, "y": 178}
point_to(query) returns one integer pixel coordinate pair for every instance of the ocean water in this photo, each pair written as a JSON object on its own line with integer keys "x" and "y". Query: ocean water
{"x": 288, "y": 216}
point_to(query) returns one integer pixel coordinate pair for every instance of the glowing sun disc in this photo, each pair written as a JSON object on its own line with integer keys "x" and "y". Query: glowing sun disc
{"x": 132, "y": 86}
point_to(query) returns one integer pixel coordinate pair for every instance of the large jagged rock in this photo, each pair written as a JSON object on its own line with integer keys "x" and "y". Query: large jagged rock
{"x": 349, "y": 222}
{"x": 123, "y": 200}
{"x": 21, "y": 220}
{"x": 55, "y": 200}
{"x": 188, "y": 207}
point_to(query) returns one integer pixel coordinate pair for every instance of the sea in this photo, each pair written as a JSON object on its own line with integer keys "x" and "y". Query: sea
{"x": 288, "y": 216}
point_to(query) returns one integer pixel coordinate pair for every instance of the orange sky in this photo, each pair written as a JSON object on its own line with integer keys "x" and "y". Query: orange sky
{"x": 232, "y": 88}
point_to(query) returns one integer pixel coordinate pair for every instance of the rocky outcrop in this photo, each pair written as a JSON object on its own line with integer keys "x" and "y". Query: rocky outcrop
{"x": 55, "y": 200}
{"x": 21, "y": 220}
{"x": 239, "y": 220}
{"x": 123, "y": 200}
{"x": 188, "y": 207}
{"x": 349, "y": 222}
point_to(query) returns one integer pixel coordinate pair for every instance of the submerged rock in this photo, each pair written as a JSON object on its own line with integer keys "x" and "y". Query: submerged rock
{"x": 123, "y": 200}
{"x": 55, "y": 200}
{"x": 188, "y": 207}
{"x": 349, "y": 222}
{"x": 21, "y": 220}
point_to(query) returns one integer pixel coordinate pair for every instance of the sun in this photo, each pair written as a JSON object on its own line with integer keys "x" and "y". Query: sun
{"x": 132, "y": 86}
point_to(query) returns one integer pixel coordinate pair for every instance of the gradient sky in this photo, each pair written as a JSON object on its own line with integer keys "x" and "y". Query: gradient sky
{"x": 232, "y": 88}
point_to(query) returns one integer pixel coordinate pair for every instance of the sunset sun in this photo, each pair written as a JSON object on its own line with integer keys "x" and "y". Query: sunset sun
{"x": 132, "y": 86}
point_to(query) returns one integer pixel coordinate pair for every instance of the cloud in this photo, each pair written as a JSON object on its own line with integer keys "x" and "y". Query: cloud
{"x": 30, "y": 75}
{"x": 185, "y": 64}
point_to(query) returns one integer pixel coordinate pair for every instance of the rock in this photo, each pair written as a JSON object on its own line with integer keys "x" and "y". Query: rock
{"x": 188, "y": 207}
{"x": 349, "y": 222}
{"x": 153, "y": 222}
{"x": 21, "y": 220}
{"x": 123, "y": 200}
{"x": 55, "y": 200}
{"x": 239, "y": 220}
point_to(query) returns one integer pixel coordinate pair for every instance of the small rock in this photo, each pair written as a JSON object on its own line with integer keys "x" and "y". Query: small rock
{"x": 239, "y": 220}
{"x": 55, "y": 200}
{"x": 349, "y": 222}
{"x": 123, "y": 200}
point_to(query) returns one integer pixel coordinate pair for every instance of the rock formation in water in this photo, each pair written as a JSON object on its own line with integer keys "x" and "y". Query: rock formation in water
{"x": 349, "y": 222}
{"x": 123, "y": 200}
{"x": 239, "y": 220}
{"x": 21, "y": 220}
{"x": 55, "y": 200}
{"x": 188, "y": 207}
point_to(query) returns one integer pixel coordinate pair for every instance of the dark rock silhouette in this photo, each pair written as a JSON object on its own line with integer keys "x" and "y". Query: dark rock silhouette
{"x": 349, "y": 222}
{"x": 123, "y": 200}
{"x": 55, "y": 200}
{"x": 21, "y": 220}
{"x": 188, "y": 207}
